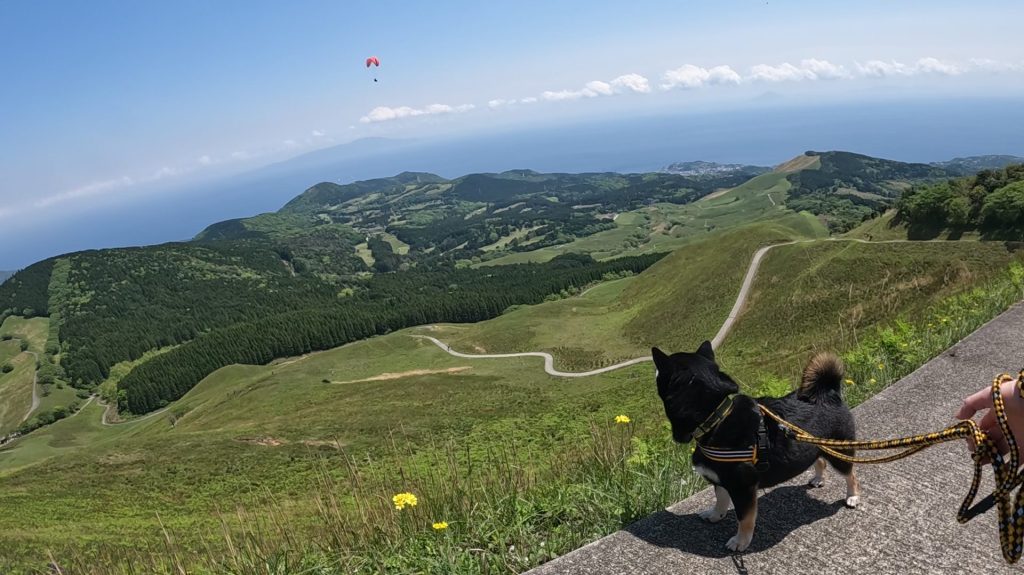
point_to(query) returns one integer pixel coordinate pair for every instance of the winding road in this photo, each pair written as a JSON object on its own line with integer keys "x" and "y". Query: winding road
{"x": 737, "y": 308}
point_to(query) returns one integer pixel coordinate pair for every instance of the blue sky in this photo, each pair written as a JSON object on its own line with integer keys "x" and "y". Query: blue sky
{"x": 106, "y": 101}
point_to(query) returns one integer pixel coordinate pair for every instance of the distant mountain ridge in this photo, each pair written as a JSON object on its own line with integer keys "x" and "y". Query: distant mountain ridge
{"x": 702, "y": 168}
{"x": 973, "y": 164}
{"x": 334, "y": 244}
{"x": 844, "y": 188}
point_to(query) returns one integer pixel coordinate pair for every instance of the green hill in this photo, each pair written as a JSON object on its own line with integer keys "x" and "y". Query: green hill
{"x": 974, "y": 164}
{"x": 845, "y": 188}
{"x": 266, "y": 437}
{"x": 316, "y": 273}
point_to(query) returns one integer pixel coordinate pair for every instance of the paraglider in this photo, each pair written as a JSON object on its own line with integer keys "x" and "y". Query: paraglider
{"x": 373, "y": 61}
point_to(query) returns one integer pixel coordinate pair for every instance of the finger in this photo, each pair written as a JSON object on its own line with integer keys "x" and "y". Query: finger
{"x": 988, "y": 423}
{"x": 975, "y": 403}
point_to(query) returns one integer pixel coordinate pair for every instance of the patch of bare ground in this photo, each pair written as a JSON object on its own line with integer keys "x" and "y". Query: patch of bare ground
{"x": 264, "y": 441}
{"x": 404, "y": 374}
{"x": 715, "y": 194}
{"x": 799, "y": 163}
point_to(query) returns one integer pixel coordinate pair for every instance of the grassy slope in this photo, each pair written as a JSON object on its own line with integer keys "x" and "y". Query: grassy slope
{"x": 665, "y": 227}
{"x": 33, "y": 330}
{"x": 819, "y": 296}
{"x": 16, "y": 386}
{"x": 621, "y": 320}
{"x": 246, "y": 429}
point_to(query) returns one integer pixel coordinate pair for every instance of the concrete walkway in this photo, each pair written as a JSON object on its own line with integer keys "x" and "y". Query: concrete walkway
{"x": 907, "y": 519}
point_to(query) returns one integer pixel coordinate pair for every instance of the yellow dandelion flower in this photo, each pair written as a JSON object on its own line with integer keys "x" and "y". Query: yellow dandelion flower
{"x": 945, "y": 320}
{"x": 873, "y": 381}
{"x": 881, "y": 366}
{"x": 622, "y": 419}
{"x": 440, "y": 526}
{"x": 401, "y": 500}
{"x": 850, "y": 382}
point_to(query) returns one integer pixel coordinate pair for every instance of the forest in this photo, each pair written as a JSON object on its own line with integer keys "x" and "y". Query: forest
{"x": 386, "y": 303}
{"x": 991, "y": 202}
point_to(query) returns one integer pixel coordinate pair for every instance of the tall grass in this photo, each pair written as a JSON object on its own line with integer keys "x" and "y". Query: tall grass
{"x": 511, "y": 508}
{"x": 504, "y": 512}
{"x": 892, "y": 352}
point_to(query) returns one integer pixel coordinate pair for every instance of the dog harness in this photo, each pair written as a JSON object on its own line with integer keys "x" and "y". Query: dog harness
{"x": 731, "y": 455}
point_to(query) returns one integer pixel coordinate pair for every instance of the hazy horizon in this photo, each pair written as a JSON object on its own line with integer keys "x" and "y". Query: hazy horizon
{"x": 139, "y": 123}
{"x": 906, "y": 130}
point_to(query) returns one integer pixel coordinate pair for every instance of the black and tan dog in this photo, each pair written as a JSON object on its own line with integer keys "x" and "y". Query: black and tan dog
{"x": 736, "y": 449}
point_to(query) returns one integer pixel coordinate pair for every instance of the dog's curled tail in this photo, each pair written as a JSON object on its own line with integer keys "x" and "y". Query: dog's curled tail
{"x": 823, "y": 378}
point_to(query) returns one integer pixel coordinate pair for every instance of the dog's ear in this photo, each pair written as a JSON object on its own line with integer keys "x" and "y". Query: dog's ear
{"x": 706, "y": 350}
{"x": 660, "y": 359}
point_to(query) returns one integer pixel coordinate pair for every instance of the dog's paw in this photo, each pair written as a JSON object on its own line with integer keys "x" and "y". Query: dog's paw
{"x": 712, "y": 515}
{"x": 816, "y": 482}
{"x": 853, "y": 501}
{"x": 739, "y": 542}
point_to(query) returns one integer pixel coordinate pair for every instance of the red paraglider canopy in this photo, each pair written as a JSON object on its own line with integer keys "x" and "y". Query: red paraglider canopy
{"x": 372, "y": 61}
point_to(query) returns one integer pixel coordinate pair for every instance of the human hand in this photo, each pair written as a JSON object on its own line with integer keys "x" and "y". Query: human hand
{"x": 982, "y": 401}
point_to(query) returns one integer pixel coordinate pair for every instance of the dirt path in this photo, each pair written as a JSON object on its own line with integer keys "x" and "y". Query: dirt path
{"x": 411, "y": 373}
{"x": 35, "y": 387}
{"x": 110, "y": 407}
{"x": 737, "y": 309}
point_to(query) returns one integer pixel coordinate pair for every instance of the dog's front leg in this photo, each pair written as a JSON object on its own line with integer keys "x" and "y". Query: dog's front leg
{"x": 745, "y": 501}
{"x": 722, "y": 503}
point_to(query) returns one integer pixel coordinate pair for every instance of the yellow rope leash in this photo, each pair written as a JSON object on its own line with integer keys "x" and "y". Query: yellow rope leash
{"x": 1011, "y": 514}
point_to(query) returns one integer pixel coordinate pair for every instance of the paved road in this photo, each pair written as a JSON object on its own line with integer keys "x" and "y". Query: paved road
{"x": 737, "y": 309}
{"x": 907, "y": 520}
{"x": 741, "y": 298}
{"x": 549, "y": 362}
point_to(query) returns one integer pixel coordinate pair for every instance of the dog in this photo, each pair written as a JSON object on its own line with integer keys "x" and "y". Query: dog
{"x": 736, "y": 449}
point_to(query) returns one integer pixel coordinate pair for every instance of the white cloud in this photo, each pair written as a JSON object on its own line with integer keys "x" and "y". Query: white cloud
{"x": 782, "y": 73}
{"x": 989, "y": 65}
{"x": 318, "y": 133}
{"x": 500, "y": 103}
{"x": 825, "y": 70}
{"x": 528, "y": 100}
{"x": 598, "y": 88}
{"x": 206, "y": 160}
{"x": 384, "y": 113}
{"x": 936, "y": 66}
{"x": 882, "y": 69}
{"x": 689, "y": 76}
{"x": 289, "y": 143}
{"x": 89, "y": 190}
{"x": 810, "y": 69}
{"x": 634, "y": 82}
{"x": 595, "y": 88}
{"x": 562, "y": 95}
